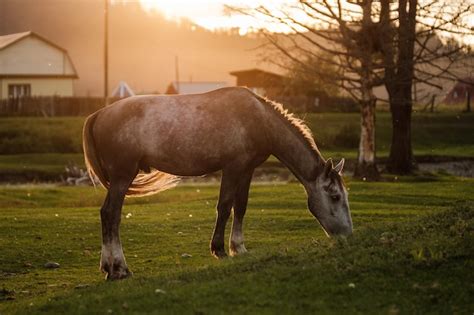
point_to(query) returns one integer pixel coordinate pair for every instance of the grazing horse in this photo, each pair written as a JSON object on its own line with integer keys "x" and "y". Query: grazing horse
{"x": 143, "y": 144}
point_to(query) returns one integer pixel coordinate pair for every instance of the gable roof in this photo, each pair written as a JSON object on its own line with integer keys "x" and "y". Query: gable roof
{"x": 193, "y": 87}
{"x": 10, "y": 39}
{"x": 123, "y": 90}
{"x": 7, "y": 40}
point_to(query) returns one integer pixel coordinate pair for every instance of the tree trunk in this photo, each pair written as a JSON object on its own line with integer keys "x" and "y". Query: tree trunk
{"x": 399, "y": 87}
{"x": 366, "y": 168}
{"x": 401, "y": 155}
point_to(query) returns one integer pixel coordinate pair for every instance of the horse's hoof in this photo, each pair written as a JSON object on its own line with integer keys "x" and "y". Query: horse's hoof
{"x": 237, "y": 249}
{"x": 219, "y": 254}
{"x": 115, "y": 271}
{"x": 118, "y": 275}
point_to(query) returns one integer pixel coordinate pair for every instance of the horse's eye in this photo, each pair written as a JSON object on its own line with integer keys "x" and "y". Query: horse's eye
{"x": 335, "y": 198}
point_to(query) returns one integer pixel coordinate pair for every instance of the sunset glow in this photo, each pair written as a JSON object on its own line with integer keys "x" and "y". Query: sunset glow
{"x": 211, "y": 15}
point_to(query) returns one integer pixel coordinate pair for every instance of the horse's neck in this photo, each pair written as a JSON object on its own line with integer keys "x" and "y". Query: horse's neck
{"x": 293, "y": 150}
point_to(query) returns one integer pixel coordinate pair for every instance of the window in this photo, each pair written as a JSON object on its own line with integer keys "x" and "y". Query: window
{"x": 19, "y": 90}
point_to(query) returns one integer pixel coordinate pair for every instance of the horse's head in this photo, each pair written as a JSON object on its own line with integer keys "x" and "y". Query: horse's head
{"x": 327, "y": 200}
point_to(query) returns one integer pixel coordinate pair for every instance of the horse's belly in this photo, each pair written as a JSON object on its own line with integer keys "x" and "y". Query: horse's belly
{"x": 186, "y": 162}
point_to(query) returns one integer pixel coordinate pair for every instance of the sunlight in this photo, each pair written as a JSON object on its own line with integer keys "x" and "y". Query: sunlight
{"x": 174, "y": 9}
{"x": 210, "y": 14}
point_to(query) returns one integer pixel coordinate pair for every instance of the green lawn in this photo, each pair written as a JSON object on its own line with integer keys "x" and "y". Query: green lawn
{"x": 40, "y": 148}
{"x": 411, "y": 252}
{"x": 38, "y": 166}
{"x": 439, "y": 133}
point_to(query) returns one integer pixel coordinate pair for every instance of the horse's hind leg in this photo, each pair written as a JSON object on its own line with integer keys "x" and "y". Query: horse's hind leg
{"x": 227, "y": 192}
{"x": 236, "y": 243}
{"x": 112, "y": 260}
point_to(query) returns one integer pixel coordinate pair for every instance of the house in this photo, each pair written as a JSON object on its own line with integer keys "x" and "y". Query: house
{"x": 262, "y": 82}
{"x": 122, "y": 90}
{"x": 458, "y": 94}
{"x": 31, "y": 65}
{"x": 193, "y": 87}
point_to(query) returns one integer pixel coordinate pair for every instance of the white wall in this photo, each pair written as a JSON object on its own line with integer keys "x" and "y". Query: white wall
{"x": 33, "y": 56}
{"x": 40, "y": 86}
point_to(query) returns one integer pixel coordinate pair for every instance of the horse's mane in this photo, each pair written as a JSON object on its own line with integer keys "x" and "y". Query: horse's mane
{"x": 297, "y": 124}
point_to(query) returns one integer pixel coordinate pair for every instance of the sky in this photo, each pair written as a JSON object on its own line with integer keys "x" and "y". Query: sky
{"x": 211, "y": 14}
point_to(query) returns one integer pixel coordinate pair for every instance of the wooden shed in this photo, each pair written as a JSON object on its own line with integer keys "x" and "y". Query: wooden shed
{"x": 262, "y": 82}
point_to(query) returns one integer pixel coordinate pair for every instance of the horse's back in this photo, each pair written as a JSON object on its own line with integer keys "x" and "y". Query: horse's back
{"x": 191, "y": 133}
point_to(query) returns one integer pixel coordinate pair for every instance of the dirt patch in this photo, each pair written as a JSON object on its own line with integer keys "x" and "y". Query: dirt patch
{"x": 458, "y": 168}
{"x": 270, "y": 171}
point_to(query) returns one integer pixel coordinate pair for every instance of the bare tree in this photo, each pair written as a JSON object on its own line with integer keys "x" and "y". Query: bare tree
{"x": 373, "y": 42}
{"x": 413, "y": 53}
{"x": 332, "y": 34}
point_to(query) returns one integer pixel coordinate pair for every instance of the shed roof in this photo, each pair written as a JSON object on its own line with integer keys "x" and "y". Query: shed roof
{"x": 193, "y": 87}
{"x": 257, "y": 78}
{"x": 254, "y": 71}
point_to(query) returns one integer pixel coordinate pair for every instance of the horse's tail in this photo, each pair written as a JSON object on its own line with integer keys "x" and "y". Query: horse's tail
{"x": 92, "y": 161}
{"x": 142, "y": 185}
{"x": 151, "y": 183}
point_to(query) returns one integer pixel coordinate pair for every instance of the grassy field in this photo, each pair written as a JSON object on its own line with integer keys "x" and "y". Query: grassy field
{"x": 411, "y": 253}
{"x": 40, "y": 148}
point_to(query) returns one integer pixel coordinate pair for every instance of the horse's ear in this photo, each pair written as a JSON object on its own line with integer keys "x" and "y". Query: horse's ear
{"x": 328, "y": 167}
{"x": 338, "y": 168}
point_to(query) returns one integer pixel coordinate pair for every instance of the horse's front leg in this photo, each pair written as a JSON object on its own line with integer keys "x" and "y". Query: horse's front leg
{"x": 236, "y": 242}
{"x": 112, "y": 260}
{"x": 227, "y": 192}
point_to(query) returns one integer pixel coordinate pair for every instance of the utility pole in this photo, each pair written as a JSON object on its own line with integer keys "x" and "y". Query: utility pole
{"x": 106, "y": 52}
{"x": 176, "y": 73}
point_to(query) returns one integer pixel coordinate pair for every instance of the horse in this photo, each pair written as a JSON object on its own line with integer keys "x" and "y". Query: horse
{"x": 142, "y": 145}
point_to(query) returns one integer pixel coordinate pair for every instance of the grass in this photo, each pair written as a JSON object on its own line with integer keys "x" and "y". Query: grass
{"x": 437, "y": 134}
{"x": 38, "y": 166}
{"x": 411, "y": 252}
{"x": 41, "y": 135}
{"x": 433, "y": 133}
{"x": 40, "y": 148}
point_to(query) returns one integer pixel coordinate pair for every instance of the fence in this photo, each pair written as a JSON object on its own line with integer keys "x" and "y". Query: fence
{"x": 50, "y": 106}
{"x": 321, "y": 104}
{"x": 83, "y": 106}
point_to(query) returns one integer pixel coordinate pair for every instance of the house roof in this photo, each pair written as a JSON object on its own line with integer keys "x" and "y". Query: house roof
{"x": 122, "y": 90}
{"x": 254, "y": 71}
{"x": 257, "y": 78}
{"x": 193, "y": 87}
{"x": 7, "y": 40}
{"x": 459, "y": 91}
{"x": 10, "y": 39}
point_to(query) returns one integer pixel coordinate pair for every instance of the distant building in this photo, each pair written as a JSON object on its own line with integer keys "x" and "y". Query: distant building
{"x": 122, "y": 90}
{"x": 31, "y": 65}
{"x": 193, "y": 87}
{"x": 262, "y": 82}
{"x": 458, "y": 93}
